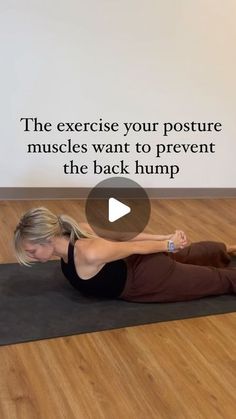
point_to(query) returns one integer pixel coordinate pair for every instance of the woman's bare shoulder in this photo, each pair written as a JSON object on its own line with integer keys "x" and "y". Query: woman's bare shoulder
{"x": 85, "y": 244}
{"x": 87, "y": 255}
{"x": 91, "y": 248}
{"x": 98, "y": 251}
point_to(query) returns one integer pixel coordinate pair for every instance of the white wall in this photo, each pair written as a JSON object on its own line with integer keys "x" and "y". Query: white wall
{"x": 126, "y": 60}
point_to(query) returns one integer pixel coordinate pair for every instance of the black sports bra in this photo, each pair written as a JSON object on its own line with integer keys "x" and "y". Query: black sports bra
{"x": 109, "y": 282}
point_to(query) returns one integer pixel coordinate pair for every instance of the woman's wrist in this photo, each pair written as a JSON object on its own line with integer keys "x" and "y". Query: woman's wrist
{"x": 170, "y": 246}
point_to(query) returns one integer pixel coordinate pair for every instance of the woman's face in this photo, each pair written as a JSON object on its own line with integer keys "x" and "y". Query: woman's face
{"x": 38, "y": 252}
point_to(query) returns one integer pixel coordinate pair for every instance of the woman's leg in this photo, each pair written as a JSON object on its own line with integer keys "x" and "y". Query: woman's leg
{"x": 188, "y": 282}
{"x": 159, "y": 278}
{"x": 204, "y": 253}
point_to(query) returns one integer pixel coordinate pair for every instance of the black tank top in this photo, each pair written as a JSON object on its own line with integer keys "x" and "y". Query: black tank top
{"x": 109, "y": 282}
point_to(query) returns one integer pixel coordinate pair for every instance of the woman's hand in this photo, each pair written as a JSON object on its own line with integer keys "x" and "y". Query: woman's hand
{"x": 180, "y": 240}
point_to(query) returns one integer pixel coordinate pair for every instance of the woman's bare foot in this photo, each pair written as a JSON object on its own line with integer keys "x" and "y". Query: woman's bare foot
{"x": 231, "y": 249}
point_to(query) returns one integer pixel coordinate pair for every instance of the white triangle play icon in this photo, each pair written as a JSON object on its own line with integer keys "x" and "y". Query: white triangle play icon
{"x": 116, "y": 210}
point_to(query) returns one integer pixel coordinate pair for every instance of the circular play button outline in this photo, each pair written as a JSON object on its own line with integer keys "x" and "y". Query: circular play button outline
{"x": 117, "y": 208}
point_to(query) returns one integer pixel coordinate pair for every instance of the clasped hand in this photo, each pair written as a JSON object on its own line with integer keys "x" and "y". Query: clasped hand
{"x": 179, "y": 238}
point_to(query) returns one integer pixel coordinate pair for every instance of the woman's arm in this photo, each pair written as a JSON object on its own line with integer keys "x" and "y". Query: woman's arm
{"x": 140, "y": 237}
{"x": 98, "y": 251}
{"x": 148, "y": 236}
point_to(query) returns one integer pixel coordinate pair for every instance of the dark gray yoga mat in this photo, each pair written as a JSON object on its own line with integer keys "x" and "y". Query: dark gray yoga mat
{"x": 39, "y": 303}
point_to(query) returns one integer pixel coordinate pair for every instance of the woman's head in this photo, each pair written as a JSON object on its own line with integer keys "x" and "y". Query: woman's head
{"x": 36, "y": 229}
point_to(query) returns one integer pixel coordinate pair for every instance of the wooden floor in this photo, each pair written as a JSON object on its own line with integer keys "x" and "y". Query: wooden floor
{"x": 171, "y": 370}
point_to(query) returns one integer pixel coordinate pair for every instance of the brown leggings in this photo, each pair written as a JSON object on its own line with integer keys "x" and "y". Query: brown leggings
{"x": 197, "y": 271}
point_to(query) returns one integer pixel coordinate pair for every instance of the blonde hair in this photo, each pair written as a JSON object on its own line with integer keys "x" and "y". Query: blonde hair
{"x": 38, "y": 225}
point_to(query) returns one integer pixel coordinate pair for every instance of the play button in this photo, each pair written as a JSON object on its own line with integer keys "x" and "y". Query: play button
{"x": 117, "y": 208}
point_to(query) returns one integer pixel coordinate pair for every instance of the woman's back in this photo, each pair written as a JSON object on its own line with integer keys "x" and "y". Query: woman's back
{"x": 109, "y": 282}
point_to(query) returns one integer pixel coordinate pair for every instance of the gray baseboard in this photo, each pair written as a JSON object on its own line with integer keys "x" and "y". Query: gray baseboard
{"x": 82, "y": 193}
